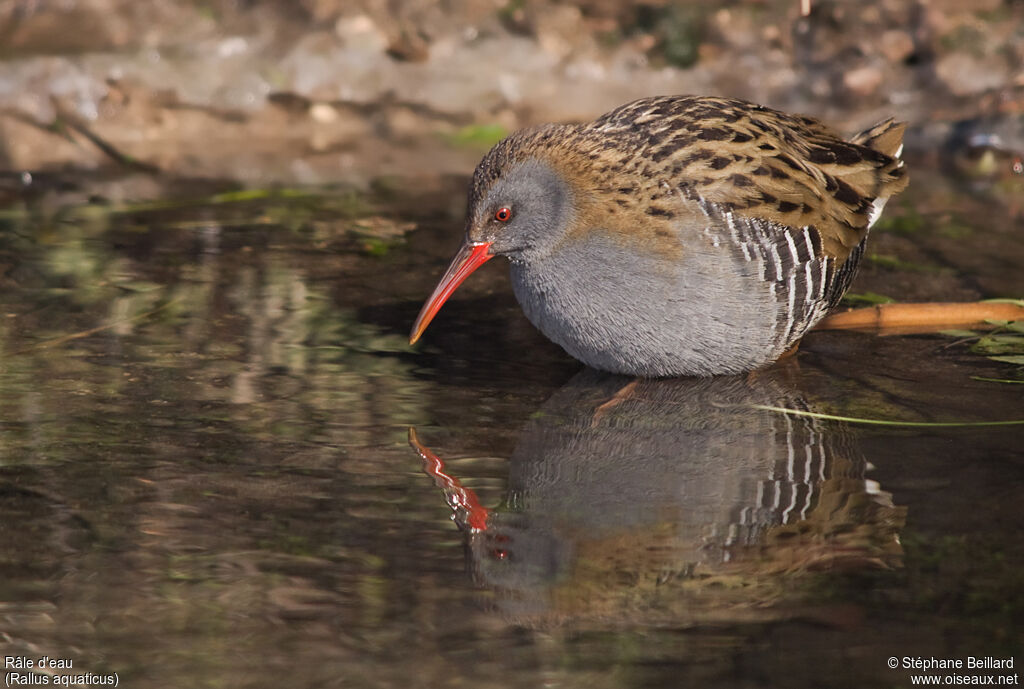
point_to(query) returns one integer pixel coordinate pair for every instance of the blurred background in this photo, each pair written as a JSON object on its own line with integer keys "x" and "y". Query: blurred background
{"x": 314, "y": 91}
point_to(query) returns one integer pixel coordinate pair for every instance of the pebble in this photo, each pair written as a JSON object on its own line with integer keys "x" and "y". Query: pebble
{"x": 863, "y": 81}
{"x": 966, "y": 74}
{"x": 361, "y": 33}
{"x": 896, "y": 45}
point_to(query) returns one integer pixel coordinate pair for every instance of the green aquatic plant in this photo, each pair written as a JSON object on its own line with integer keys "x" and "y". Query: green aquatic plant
{"x": 481, "y": 136}
{"x": 1005, "y": 343}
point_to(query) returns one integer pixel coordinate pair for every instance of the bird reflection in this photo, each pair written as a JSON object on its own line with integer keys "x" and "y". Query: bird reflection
{"x": 673, "y": 499}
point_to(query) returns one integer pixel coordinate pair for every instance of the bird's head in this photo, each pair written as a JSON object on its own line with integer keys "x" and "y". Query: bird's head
{"x": 520, "y": 206}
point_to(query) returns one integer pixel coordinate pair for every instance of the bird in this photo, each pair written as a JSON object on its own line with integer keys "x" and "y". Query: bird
{"x": 677, "y": 235}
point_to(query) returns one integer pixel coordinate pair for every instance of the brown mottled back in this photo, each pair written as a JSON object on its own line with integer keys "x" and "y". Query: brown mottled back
{"x": 650, "y": 160}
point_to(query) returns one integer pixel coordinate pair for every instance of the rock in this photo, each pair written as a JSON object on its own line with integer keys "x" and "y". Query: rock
{"x": 361, "y": 33}
{"x": 323, "y": 113}
{"x": 559, "y": 30}
{"x": 863, "y": 81}
{"x": 409, "y": 46}
{"x": 896, "y": 45}
{"x": 965, "y": 74}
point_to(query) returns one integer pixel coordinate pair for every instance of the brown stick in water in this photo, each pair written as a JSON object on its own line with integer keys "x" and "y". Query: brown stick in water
{"x": 922, "y": 318}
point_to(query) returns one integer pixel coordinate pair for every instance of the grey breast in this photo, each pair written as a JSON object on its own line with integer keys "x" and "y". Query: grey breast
{"x": 708, "y": 311}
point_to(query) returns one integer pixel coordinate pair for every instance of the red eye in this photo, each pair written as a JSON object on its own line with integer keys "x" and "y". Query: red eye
{"x": 503, "y": 214}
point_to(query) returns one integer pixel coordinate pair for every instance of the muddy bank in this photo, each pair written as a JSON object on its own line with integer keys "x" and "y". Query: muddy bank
{"x": 325, "y": 91}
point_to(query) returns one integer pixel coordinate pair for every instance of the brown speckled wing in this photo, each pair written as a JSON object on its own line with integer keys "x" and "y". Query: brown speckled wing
{"x": 788, "y": 170}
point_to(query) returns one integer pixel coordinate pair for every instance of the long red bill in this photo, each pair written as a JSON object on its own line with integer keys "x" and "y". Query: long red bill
{"x": 469, "y": 513}
{"x": 470, "y": 257}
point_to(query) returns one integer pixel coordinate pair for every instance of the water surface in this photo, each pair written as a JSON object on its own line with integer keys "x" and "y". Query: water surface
{"x": 206, "y": 479}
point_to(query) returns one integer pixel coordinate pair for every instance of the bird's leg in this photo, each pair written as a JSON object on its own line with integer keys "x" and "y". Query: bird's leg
{"x": 789, "y": 352}
{"x": 623, "y": 394}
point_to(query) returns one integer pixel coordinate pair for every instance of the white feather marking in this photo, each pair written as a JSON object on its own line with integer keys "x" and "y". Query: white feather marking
{"x": 790, "y": 452}
{"x": 807, "y": 478}
{"x": 791, "y": 313}
{"x": 731, "y": 222}
{"x": 792, "y": 504}
{"x": 876, "y": 210}
{"x": 745, "y": 515}
{"x": 792, "y": 248}
{"x": 807, "y": 241}
{"x": 812, "y": 292}
{"x": 778, "y": 261}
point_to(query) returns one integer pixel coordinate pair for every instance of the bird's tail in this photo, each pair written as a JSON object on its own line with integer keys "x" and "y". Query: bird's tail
{"x": 885, "y": 137}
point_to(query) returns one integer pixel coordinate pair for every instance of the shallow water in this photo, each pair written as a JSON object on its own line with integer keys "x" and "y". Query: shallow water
{"x": 206, "y": 478}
